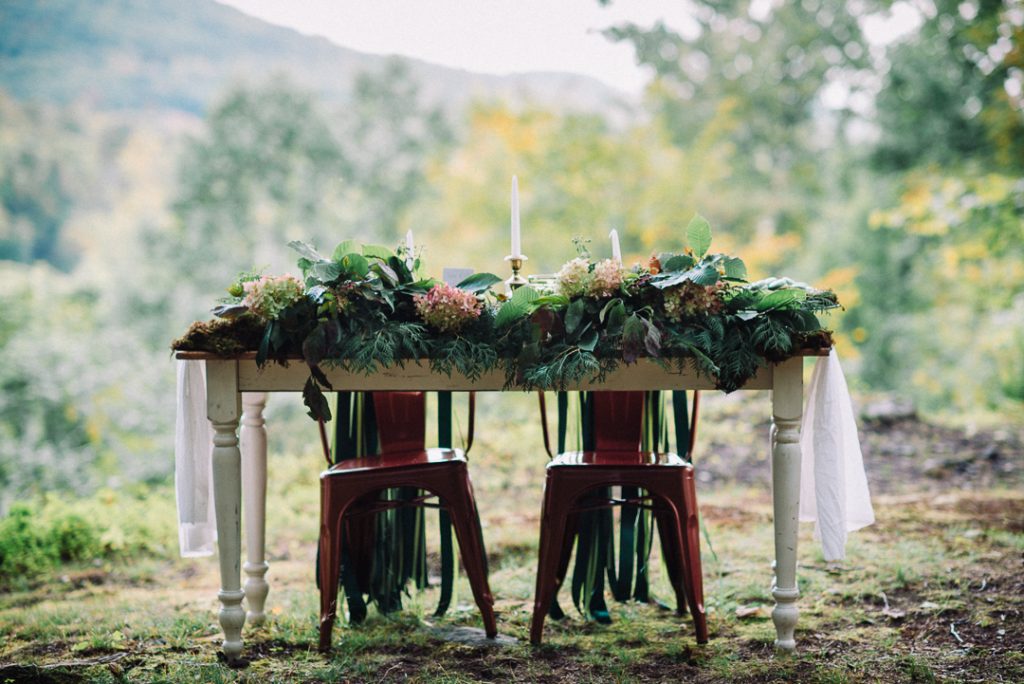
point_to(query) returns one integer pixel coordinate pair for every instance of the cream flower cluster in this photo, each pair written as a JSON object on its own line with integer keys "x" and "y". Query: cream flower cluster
{"x": 575, "y": 278}
{"x": 447, "y": 308}
{"x": 270, "y": 295}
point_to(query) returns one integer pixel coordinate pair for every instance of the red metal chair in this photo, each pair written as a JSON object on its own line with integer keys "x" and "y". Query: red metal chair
{"x": 616, "y": 461}
{"x": 403, "y": 462}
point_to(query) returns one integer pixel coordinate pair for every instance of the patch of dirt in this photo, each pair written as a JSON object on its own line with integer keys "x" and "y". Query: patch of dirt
{"x": 901, "y": 455}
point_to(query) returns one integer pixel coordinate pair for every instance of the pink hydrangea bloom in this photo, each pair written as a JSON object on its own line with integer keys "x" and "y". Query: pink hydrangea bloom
{"x": 606, "y": 278}
{"x": 447, "y": 308}
{"x": 270, "y": 295}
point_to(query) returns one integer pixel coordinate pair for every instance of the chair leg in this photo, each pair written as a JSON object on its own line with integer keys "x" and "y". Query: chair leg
{"x": 332, "y": 512}
{"x": 466, "y": 521}
{"x": 673, "y": 556}
{"x": 691, "y": 549}
{"x": 553, "y": 530}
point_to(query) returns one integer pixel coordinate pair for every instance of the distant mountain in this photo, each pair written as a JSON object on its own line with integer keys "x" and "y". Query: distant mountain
{"x": 180, "y": 54}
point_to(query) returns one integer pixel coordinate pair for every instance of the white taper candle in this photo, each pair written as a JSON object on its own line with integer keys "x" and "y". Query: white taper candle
{"x": 517, "y": 247}
{"x": 616, "y": 251}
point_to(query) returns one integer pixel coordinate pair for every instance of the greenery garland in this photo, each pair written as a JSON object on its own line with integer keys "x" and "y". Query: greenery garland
{"x": 367, "y": 307}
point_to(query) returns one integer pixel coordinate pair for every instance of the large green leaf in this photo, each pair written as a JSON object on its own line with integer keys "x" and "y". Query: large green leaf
{"x": 346, "y": 247}
{"x": 574, "y": 315}
{"x": 509, "y": 312}
{"x": 698, "y": 235}
{"x": 678, "y": 262}
{"x": 525, "y": 295}
{"x": 326, "y": 271}
{"x": 355, "y": 264}
{"x": 478, "y": 282}
{"x": 735, "y": 268}
{"x": 377, "y": 252}
{"x": 588, "y": 342}
{"x": 780, "y": 298}
{"x": 705, "y": 275}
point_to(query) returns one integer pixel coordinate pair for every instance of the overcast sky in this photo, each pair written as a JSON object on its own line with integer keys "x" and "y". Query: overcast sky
{"x": 507, "y": 36}
{"x": 491, "y": 36}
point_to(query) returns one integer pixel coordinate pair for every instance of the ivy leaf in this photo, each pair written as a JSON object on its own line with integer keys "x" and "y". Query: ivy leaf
{"x": 589, "y": 341}
{"x": 698, "y": 235}
{"x": 574, "y": 315}
{"x": 306, "y": 251}
{"x": 346, "y": 247}
{"x": 735, "y": 268}
{"x": 377, "y": 252}
{"x": 478, "y": 282}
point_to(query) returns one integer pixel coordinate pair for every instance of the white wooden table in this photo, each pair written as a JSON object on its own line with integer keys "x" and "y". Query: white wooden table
{"x": 237, "y": 392}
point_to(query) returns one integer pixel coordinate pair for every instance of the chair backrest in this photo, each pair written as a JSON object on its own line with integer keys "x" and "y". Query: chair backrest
{"x": 618, "y": 420}
{"x": 401, "y": 421}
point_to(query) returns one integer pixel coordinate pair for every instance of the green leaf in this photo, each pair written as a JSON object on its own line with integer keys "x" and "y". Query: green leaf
{"x": 616, "y": 317}
{"x": 508, "y": 313}
{"x": 735, "y": 268}
{"x": 355, "y": 264}
{"x": 525, "y": 295}
{"x": 589, "y": 341}
{"x": 574, "y": 315}
{"x": 326, "y": 271}
{"x": 679, "y": 262}
{"x": 780, "y": 298}
{"x": 607, "y": 308}
{"x": 306, "y": 250}
{"x": 478, "y": 282}
{"x": 554, "y": 301}
{"x": 705, "y": 275}
{"x": 698, "y": 235}
{"x": 346, "y": 247}
{"x": 377, "y": 252}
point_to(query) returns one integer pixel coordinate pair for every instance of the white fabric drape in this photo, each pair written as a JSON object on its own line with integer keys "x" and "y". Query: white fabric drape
{"x": 833, "y": 485}
{"x": 193, "y": 465}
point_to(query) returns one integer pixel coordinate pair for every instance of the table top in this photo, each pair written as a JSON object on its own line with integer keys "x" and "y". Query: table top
{"x": 645, "y": 374}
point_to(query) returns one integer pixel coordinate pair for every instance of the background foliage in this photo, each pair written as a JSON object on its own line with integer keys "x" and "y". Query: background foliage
{"x": 889, "y": 171}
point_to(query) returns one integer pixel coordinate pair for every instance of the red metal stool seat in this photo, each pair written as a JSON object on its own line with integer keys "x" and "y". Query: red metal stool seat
{"x": 618, "y": 461}
{"x": 403, "y": 462}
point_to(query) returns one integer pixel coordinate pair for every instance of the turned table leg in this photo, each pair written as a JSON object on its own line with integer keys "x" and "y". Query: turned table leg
{"x": 787, "y": 410}
{"x": 254, "y": 503}
{"x": 223, "y": 411}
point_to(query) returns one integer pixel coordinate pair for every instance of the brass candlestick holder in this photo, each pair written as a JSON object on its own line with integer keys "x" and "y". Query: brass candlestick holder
{"x": 516, "y": 281}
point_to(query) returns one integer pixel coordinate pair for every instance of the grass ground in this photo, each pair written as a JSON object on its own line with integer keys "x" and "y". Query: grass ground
{"x": 933, "y": 592}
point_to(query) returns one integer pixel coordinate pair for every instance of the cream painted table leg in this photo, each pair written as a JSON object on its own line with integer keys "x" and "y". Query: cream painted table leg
{"x": 254, "y": 503}
{"x": 787, "y": 410}
{"x": 223, "y": 409}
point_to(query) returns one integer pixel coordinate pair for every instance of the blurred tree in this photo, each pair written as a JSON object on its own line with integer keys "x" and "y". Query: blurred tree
{"x": 953, "y": 90}
{"x": 46, "y": 163}
{"x": 765, "y": 64}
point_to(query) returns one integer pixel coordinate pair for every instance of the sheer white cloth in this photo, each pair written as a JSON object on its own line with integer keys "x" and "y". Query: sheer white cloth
{"x": 193, "y": 464}
{"x": 833, "y": 485}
